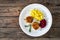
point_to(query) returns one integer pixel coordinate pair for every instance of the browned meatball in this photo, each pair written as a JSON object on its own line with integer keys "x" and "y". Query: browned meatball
{"x": 35, "y": 25}
{"x": 29, "y": 19}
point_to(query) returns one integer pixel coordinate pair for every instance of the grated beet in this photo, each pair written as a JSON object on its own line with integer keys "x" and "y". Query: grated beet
{"x": 42, "y": 23}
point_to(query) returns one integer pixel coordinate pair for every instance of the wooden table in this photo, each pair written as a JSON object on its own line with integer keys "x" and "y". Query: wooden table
{"x": 9, "y": 19}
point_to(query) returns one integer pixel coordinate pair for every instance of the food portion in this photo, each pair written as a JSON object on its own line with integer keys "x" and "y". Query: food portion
{"x": 42, "y": 23}
{"x": 29, "y": 27}
{"x": 29, "y": 19}
{"x": 37, "y": 15}
{"x": 35, "y": 25}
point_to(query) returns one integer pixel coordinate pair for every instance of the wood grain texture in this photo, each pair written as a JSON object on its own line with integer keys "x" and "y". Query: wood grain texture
{"x": 30, "y": 39}
{"x": 12, "y": 1}
{"x": 9, "y": 19}
{"x": 17, "y": 33}
{"x": 9, "y": 22}
{"x": 10, "y": 11}
{"x": 24, "y": 39}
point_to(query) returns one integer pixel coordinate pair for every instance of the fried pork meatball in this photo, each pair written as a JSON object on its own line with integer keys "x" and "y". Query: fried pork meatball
{"x": 35, "y": 25}
{"x": 29, "y": 19}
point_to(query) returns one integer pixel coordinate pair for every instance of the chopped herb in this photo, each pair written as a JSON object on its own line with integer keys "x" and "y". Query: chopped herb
{"x": 26, "y": 25}
{"x": 30, "y": 29}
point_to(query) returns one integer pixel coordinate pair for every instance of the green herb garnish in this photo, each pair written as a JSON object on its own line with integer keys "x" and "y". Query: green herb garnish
{"x": 26, "y": 25}
{"x": 30, "y": 29}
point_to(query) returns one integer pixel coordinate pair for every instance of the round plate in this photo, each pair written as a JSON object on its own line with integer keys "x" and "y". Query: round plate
{"x": 25, "y": 12}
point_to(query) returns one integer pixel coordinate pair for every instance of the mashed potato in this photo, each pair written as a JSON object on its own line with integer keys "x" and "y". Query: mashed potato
{"x": 37, "y": 14}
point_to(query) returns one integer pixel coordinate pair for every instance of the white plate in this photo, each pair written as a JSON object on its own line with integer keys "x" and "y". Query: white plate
{"x": 25, "y": 12}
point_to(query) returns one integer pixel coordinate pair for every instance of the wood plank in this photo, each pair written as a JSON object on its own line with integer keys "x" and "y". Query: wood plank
{"x": 24, "y": 39}
{"x": 20, "y": 1}
{"x": 54, "y": 33}
{"x": 26, "y": 2}
{"x": 30, "y": 39}
{"x": 13, "y": 5}
{"x": 9, "y": 22}
{"x": 56, "y": 16}
{"x": 7, "y": 32}
{"x": 55, "y": 2}
{"x": 56, "y": 20}
{"x": 10, "y": 14}
{"x": 41, "y": 39}
{"x": 12, "y": 1}
{"x": 55, "y": 9}
{"x": 7, "y": 39}
{"x": 35, "y": 1}
{"x": 34, "y": 39}
{"x": 54, "y": 38}
{"x": 11, "y": 33}
{"x": 10, "y": 11}
{"x": 52, "y": 6}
